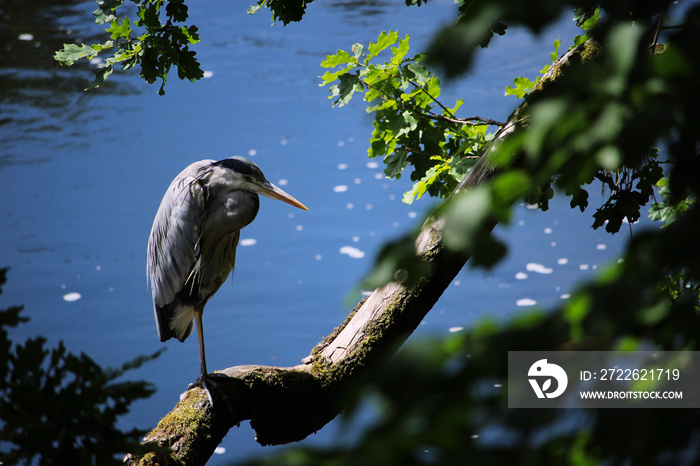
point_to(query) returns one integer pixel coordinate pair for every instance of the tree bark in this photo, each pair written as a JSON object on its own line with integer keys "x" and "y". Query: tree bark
{"x": 286, "y": 404}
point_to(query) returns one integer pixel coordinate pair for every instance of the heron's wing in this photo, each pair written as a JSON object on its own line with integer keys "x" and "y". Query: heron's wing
{"x": 174, "y": 240}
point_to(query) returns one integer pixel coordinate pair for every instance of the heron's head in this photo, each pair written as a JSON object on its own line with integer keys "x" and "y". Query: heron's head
{"x": 246, "y": 175}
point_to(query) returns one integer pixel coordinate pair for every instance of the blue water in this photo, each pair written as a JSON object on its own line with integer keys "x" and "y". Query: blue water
{"x": 82, "y": 174}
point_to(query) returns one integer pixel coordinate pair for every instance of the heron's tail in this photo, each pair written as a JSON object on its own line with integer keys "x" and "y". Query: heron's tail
{"x": 174, "y": 320}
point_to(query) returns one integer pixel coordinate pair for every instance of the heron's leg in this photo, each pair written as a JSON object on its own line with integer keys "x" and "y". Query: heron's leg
{"x": 203, "y": 381}
{"x": 200, "y": 335}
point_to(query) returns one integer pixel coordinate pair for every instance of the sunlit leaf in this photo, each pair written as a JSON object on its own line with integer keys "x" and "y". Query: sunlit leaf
{"x": 400, "y": 51}
{"x": 340, "y": 58}
{"x": 522, "y": 87}
{"x": 385, "y": 40}
{"x": 71, "y": 53}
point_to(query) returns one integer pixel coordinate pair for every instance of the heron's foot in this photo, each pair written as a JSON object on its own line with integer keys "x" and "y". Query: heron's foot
{"x": 207, "y": 383}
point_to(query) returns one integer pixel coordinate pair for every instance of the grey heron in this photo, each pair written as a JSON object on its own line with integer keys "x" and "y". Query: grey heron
{"x": 192, "y": 246}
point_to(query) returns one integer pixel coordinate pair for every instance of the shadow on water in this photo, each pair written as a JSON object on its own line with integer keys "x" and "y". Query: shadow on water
{"x": 30, "y": 36}
{"x": 37, "y": 95}
{"x": 361, "y": 11}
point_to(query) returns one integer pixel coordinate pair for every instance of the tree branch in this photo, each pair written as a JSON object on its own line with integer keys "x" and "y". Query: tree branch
{"x": 470, "y": 121}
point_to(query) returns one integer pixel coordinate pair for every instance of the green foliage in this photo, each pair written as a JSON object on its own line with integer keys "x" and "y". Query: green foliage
{"x": 282, "y": 10}
{"x": 162, "y": 39}
{"x": 587, "y": 19}
{"x": 411, "y": 127}
{"x": 162, "y": 42}
{"x": 60, "y": 408}
{"x": 667, "y": 210}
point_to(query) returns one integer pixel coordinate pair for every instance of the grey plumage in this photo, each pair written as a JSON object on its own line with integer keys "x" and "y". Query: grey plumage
{"x": 192, "y": 246}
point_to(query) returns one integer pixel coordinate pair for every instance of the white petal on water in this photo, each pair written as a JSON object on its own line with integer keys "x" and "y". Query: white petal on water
{"x": 601, "y": 247}
{"x": 372, "y": 165}
{"x": 219, "y": 450}
{"x": 208, "y": 74}
{"x": 357, "y": 181}
{"x": 525, "y": 302}
{"x": 412, "y": 215}
{"x": 565, "y": 296}
{"x": 352, "y": 252}
{"x": 583, "y": 267}
{"x": 248, "y": 242}
{"x": 318, "y": 257}
{"x": 547, "y": 231}
{"x": 282, "y": 182}
{"x": 26, "y": 36}
{"x": 252, "y": 152}
{"x": 538, "y": 268}
{"x": 70, "y": 297}
{"x": 342, "y": 166}
{"x": 299, "y": 227}
{"x": 341, "y": 188}
{"x": 341, "y": 143}
{"x": 349, "y": 205}
{"x": 455, "y": 329}
{"x": 563, "y": 261}
{"x": 378, "y": 176}
{"x": 520, "y": 276}
{"x": 355, "y": 239}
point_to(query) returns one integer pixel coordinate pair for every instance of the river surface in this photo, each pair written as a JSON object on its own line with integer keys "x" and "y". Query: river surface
{"x": 82, "y": 174}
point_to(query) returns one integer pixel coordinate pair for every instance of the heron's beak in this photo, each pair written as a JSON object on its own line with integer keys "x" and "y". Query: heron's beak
{"x": 270, "y": 190}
